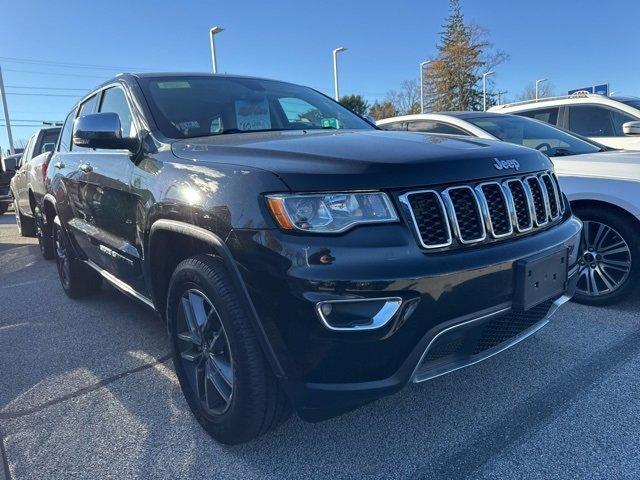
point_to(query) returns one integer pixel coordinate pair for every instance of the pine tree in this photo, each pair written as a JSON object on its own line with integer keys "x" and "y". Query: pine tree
{"x": 453, "y": 79}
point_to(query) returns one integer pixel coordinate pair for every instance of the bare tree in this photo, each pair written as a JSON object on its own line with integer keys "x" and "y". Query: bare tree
{"x": 405, "y": 101}
{"x": 546, "y": 89}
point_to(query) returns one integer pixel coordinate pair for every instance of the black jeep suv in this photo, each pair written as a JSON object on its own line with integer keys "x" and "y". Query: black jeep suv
{"x": 301, "y": 257}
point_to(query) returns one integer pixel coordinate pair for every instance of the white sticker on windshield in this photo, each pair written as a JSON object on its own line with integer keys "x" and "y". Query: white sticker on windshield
{"x": 253, "y": 114}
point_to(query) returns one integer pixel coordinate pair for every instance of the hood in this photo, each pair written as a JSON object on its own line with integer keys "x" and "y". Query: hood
{"x": 326, "y": 160}
{"x": 618, "y": 164}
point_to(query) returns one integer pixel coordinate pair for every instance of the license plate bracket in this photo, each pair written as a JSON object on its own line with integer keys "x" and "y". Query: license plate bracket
{"x": 540, "y": 277}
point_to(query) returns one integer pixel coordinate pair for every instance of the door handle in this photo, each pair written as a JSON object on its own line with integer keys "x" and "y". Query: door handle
{"x": 59, "y": 165}
{"x": 86, "y": 168}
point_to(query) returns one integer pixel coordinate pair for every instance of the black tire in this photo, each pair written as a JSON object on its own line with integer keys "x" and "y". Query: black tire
{"x": 623, "y": 229}
{"x": 256, "y": 403}
{"x": 77, "y": 279}
{"x": 45, "y": 238}
{"x": 26, "y": 225}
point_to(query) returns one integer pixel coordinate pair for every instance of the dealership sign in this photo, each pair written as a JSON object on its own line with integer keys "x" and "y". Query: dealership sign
{"x": 602, "y": 89}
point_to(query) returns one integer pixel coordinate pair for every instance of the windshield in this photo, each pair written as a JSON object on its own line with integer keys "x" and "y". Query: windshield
{"x": 531, "y": 133}
{"x": 196, "y": 106}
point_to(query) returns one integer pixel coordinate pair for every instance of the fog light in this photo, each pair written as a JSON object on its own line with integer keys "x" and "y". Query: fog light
{"x": 358, "y": 314}
{"x": 326, "y": 309}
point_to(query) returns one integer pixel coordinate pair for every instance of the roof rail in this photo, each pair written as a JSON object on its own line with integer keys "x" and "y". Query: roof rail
{"x": 546, "y": 99}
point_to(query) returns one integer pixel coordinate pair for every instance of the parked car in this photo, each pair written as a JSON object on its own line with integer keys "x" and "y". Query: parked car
{"x": 613, "y": 121}
{"x": 601, "y": 183}
{"x": 300, "y": 256}
{"x": 28, "y": 187}
{"x": 8, "y": 166}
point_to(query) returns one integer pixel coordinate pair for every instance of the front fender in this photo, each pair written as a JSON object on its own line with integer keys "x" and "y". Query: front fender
{"x": 623, "y": 193}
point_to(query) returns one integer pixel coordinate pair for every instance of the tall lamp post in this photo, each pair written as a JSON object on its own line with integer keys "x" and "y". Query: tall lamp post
{"x": 484, "y": 89}
{"x": 212, "y": 33}
{"x": 422, "y": 65}
{"x": 7, "y": 122}
{"x": 336, "y": 51}
{"x": 538, "y": 82}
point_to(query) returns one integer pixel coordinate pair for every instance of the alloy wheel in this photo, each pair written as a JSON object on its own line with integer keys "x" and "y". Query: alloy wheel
{"x": 204, "y": 349}
{"x": 605, "y": 263}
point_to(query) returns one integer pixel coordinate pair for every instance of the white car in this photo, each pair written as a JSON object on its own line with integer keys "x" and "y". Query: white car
{"x": 602, "y": 184}
{"x": 612, "y": 121}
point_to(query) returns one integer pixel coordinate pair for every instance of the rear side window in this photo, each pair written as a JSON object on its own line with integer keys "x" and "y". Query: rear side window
{"x": 64, "y": 142}
{"x": 115, "y": 101}
{"x": 395, "y": 126}
{"x": 591, "y": 121}
{"x": 431, "y": 126}
{"x": 49, "y": 139}
{"x": 547, "y": 115}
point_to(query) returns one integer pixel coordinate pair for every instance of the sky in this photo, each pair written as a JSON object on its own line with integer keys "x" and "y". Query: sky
{"x": 572, "y": 43}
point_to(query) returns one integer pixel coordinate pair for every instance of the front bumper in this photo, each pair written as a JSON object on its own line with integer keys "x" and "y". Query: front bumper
{"x": 459, "y": 292}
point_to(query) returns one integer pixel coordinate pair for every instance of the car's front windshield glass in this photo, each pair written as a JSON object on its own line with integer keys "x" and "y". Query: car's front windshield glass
{"x": 196, "y": 106}
{"x": 531, "y": 133}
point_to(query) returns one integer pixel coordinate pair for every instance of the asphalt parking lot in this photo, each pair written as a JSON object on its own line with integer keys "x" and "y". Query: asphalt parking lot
{"x": 87, "y": 391}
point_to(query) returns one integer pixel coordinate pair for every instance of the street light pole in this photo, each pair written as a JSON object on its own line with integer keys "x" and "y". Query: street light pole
{"x": 335, "y": 72}
{"x": 484, "y": 89}
{"x": 422, "y": 65}
{"x": 212, "y": 33}
{"x": 6, "y": 114}
{"x": 538, "y": 82}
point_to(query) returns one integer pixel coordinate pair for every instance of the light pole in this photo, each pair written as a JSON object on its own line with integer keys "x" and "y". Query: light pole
{"x": 212, "y": 32}
{"x": 484, "y": 89}
{"x": 336, "y": 51}
{"x": 422, "y": 65}
{"x": 538, "y": 82}
{"x": 7, "y": 122}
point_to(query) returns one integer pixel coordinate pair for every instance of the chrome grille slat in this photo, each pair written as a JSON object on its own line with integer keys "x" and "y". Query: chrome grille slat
{"x": 431, "y": 241}
{"x": 467, "y": 229}
{"x": 556, "y": 182}
{"x": 538, "y": 200}
{"x": 552, "y": 195}
{"x": 468, "y": 214}
{"x": 495, "y": 207}
{"x": 523, "y": 210}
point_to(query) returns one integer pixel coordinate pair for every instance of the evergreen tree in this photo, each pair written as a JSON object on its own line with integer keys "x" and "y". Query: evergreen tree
{"x": 453, "y": 79}
{"x": 355, "y": 103}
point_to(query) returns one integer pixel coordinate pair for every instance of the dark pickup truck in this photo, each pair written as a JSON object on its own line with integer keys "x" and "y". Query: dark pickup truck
{"x": 300, "y": 256}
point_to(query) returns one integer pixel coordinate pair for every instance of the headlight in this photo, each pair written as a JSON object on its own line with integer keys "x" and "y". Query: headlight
{"x": 330, "y": 212}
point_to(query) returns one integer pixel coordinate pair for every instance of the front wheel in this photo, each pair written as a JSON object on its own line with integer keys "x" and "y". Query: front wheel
{"x": 222, "y": 370}
{"x": 26, "y": 225}
{"x": 609, "y": 257}
{"x": 76, "y": 278}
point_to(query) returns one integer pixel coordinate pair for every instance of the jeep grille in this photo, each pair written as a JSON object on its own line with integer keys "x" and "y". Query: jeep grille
{"x": 469, "y": 214}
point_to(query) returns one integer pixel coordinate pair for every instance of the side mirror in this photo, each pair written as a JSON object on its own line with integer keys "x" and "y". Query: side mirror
{"x": 101, "y": 130}
{"x": 631, "y": 128}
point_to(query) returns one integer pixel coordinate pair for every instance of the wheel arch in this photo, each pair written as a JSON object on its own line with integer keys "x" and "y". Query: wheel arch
{"x": 197, "y": 240}
{"x": 585, "y": 202}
